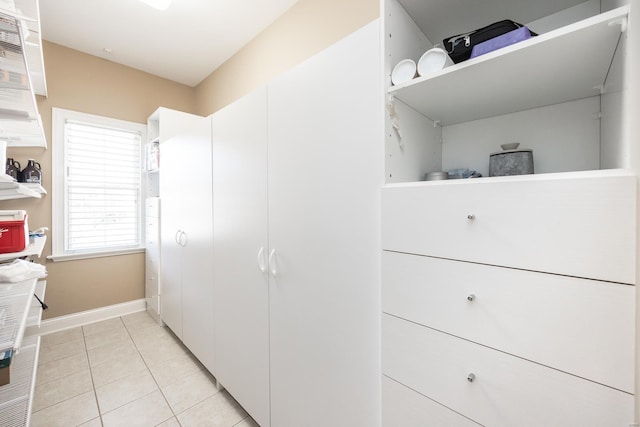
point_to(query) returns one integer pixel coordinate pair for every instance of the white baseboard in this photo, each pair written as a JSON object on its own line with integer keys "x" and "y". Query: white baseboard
{"x": 57, "y": 324}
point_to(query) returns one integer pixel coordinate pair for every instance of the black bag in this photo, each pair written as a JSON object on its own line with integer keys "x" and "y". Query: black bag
{"x": 459, "y": 47}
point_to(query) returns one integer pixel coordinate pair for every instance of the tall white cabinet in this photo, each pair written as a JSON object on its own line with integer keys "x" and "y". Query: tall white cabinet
{"x": 512, "y": 300}
{"x": 186, "y": 230}
{"x": 298, "y": 170}
{"x": 241, "y": 250}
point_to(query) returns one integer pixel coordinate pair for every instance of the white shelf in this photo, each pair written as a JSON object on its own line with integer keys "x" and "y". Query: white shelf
{"x": 16, "y": 397}
{"x": 15, "y": 302}
{"x": 34, "y": 187}
{"x": 21, "y": 122}
{"x": 562, "y": 65}
{"x": 17, "y": 190}
{"x": 33, "y": 249}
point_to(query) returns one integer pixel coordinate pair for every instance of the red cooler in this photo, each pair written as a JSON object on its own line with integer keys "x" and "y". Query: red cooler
{"x": 14, "y": 231}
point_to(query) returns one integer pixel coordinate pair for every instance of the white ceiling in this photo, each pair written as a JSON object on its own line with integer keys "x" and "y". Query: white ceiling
{"x": 184, "y": 43}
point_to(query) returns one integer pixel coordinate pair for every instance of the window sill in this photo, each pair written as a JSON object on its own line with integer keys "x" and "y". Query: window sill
{"x": 74, "y": 257}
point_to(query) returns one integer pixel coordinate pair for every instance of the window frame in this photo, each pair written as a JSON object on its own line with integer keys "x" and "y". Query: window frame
{"x": 59, "y": 117}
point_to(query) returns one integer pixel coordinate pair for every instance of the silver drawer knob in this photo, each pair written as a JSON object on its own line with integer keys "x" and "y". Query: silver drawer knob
{"x": 471, "y": 378}
{"x": 471, "y": 216}
{"x": 471, "y": 298}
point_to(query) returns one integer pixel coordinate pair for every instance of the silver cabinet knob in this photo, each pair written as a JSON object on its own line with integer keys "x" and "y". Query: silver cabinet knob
{"x": 471, "y": 298}
{"x": 471, "y": 378}
{"x": 471, "y": 216}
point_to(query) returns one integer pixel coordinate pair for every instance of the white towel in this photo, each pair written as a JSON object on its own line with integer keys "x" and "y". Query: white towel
{"x": 20, "y": 270}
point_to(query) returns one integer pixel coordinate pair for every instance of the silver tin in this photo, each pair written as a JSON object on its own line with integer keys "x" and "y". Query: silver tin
{"x": 435, "y": 176}
{"x": 511, "y": 162}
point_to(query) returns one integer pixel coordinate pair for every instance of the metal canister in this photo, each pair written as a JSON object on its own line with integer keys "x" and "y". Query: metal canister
{"x": 511, "y": 162}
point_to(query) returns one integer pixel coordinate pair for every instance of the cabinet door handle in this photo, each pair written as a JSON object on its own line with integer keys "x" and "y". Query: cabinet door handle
{"x": 471, "y": 377}
{"x": 177, "y": 237}
{"x": 471, "y": 298}
{"x": 471, "y": 217}
{"x": 272, "y": 263}
{"x": 261, "y": 261}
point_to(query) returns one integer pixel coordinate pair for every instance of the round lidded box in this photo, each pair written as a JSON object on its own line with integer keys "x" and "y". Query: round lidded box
{"x": 511, "y": 162}
{"x": 403, "y": 72}
{"x": 433, "y": 60}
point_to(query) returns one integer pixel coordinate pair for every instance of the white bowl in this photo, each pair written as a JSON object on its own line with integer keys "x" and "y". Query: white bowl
{"x": 433, "y": 60}
{"x": 404, "y": 71}
{"x": 510, "y": 146}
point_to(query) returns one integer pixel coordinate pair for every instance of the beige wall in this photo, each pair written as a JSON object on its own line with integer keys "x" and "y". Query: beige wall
{"x": 86, "y": 83}
{"x": 307, "y": 28}
{"x": 81, "y": 82}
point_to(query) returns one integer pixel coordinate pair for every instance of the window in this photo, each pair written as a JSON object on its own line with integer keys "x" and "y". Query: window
{"x": 97, "y": 188}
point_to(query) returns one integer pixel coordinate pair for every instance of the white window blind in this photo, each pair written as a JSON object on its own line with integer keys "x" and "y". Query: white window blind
{"x": 102, "y": 192}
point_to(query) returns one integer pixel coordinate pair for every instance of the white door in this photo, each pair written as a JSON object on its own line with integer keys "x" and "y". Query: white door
{"x": 241, "y": 252}
{"x": 325, "y": 174}
{"x": 197, "y": 239}
{"x": 172, "y": 182}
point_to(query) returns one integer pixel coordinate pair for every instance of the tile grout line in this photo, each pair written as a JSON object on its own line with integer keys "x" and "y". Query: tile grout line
{"x": 93, "y": 384}
{"x": 135, "y": 344}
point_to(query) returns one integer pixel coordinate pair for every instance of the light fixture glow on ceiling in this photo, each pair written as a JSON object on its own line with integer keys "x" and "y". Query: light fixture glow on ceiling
{"x": 158, "y": 4}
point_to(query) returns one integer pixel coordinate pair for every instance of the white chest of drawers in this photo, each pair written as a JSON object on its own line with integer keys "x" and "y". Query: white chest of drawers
{"x": 520, "y": 314}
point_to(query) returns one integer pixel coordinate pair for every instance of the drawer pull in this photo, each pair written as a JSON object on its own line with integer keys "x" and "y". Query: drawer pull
{"x": 471, "y": 216}
{"x": 471, "y": 298}
{"x": 471, "y": 378}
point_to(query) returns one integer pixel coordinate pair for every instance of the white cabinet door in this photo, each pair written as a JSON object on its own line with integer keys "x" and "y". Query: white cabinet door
{"x": 197, "y": 239}
{"x": 172, "y": 183}
{"x": 241, "y": 251}
{"x": 325, "y": 174}
{"x": 186, "y": 230}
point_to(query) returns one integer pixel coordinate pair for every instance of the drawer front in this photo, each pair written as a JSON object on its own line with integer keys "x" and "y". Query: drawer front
{"x": 584, "y": 327}
{"x": 404, "y": 407}
{"x": 505, "y": 391}
{"x": 578, "y": 226}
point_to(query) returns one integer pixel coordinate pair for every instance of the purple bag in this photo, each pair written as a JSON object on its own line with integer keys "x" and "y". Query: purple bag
{"x": 512, "y": 37}
{"x": 459, "y": 47}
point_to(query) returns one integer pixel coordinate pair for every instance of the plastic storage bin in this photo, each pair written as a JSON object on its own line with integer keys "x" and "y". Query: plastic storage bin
{"x": 14, "y": 231}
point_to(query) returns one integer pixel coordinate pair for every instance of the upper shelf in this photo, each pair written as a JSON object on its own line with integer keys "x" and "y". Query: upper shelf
{"x": 32, "y": 250}
{"x": 20, "y": 122}
{"x": 28, "y": 12}
{"x": 563, "y": 65}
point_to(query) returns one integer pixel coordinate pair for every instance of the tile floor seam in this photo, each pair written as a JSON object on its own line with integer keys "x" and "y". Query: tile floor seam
{"x": 93, "y": 384}
{"x": 150, "y": 371}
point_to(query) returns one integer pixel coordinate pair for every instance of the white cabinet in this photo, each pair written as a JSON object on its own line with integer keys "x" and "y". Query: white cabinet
{"x": 530, "y": 335}
{"x": 296, "y": 220}
{"x": 526, "y": 282}
{"x": 186, "y": 233}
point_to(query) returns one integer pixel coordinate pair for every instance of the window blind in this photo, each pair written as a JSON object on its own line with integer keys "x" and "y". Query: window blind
{"x": 102, "y": 188}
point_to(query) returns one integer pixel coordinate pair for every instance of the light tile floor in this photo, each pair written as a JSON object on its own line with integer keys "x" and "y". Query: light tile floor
{"x": 127, "y": 371}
